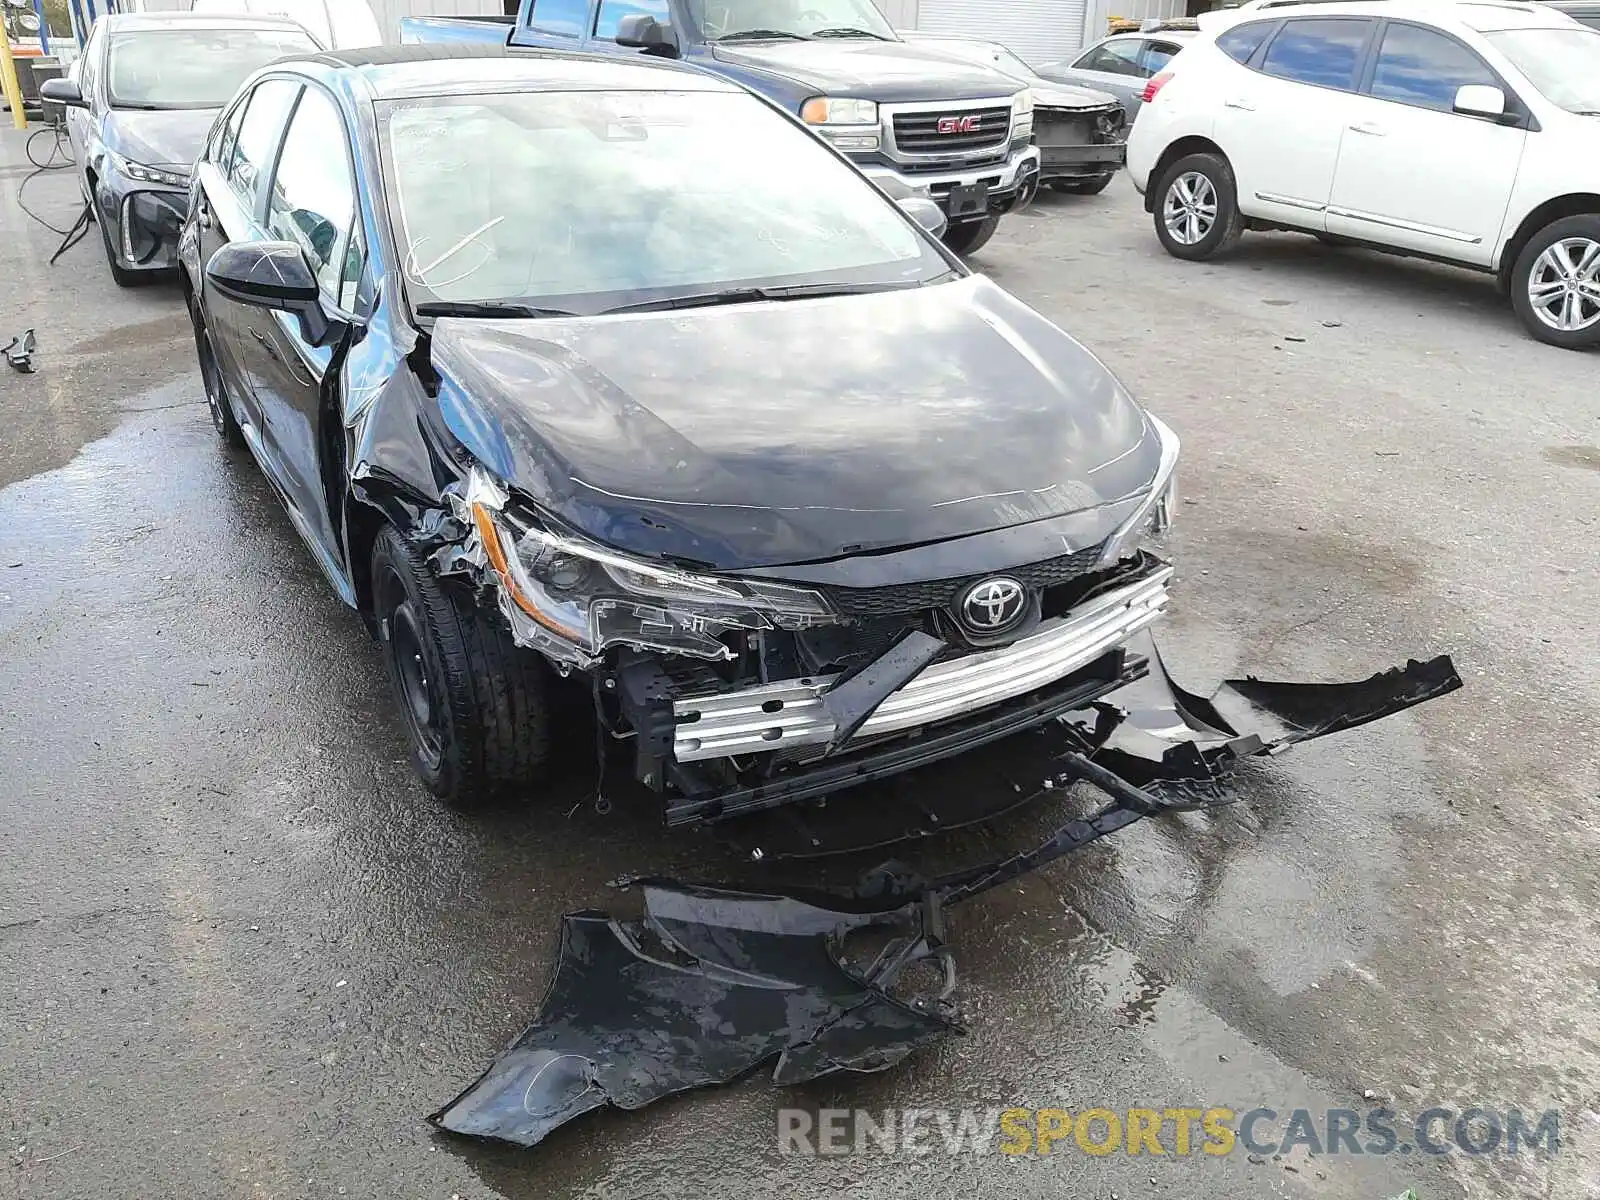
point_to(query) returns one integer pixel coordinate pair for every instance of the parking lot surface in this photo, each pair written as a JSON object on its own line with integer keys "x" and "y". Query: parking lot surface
{"x": 245, "y": 955}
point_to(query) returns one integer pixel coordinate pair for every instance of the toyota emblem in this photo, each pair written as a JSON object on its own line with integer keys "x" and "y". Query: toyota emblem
{"x": 993, "y": 606}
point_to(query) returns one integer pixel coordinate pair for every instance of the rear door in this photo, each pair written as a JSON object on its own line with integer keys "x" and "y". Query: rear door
{"x": 1412, "y": 172}
{"x": 608, "y": 15}
{"x": 233, "y": 193}
{"x": 1281, "y": 116}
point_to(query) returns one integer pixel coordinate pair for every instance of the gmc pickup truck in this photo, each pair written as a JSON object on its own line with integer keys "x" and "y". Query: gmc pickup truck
{"x": 907, "y": 115}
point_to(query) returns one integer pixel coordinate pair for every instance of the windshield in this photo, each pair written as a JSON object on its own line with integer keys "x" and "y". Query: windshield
{"x": 191, "y": 68}
{"x": 585, "y": 201}
{"x": 1564, "y": 64}
{"x": 724, "y": 20}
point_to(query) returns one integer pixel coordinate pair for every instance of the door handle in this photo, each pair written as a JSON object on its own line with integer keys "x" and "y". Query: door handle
{"x": 1368, "y": 128}
{"x": 1241, "y": 105}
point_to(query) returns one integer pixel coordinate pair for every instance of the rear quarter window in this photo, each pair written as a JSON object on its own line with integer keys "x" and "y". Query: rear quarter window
{"x": 1240, "y": 42}
{"x": 1325, "y": 52}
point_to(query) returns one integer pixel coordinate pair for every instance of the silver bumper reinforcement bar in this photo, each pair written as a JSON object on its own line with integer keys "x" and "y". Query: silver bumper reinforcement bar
{"x": 777, "y": 716}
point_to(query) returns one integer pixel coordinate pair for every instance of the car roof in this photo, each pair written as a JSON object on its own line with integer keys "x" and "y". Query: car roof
{"x": 394, "y": 72}
{"x": 1479, "y": 15}
{"x": 137, "y": 22}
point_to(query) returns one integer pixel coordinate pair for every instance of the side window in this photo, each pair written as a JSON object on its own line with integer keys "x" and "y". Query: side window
{"x": 1240, "y": 42}
{"x": 1424, "y": 67}
{"x": 1114, "y": 58}
{"x": 565, "y": 18}
{"x": 611, "y": 13}
{"x": 355, "y": 261}
{"x": 258, "y": 136}
{"x": 224, "y": 137}
{"x": 90, "y": 76}
{"x": 312, "y": 202}
{"x": 1325, "y": 51}
{"x": 1158, "y": 55}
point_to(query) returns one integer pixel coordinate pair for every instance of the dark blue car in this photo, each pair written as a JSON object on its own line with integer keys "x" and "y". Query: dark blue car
{"x": 605, "y": 390}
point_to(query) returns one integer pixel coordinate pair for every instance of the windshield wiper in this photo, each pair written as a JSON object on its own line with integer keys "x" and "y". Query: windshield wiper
{"x": 845, "y": 31}
{"x": 748, "y": 295}
{"x": 753, "y": 35}
{"x": 487, "y": 308}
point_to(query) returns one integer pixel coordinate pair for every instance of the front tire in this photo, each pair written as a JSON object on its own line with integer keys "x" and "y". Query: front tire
{"x": 968, "y": 237}
{"x": 1083, "y": 187}
{"x": 1197, "y": 208}
{"x": 476, "y": 706}
{"x": 1555, "y": 284}
{"x": 120, "y": 274}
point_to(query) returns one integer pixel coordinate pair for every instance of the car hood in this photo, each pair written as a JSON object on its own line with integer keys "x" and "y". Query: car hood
{"x": 1048, "y": 94}
{"x": 870, "y": 70}
{"x": 166, "y": 138}
{"x": 783, "y": 432}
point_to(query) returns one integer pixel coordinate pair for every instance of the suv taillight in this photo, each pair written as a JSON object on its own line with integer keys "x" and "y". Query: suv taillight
{"x": 1155, "y": 85}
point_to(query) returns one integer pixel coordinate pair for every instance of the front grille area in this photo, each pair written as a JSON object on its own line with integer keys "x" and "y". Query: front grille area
{"x": 1076, "y": 127}
{"x": 905, "y": 598}
{"x": 918, "y": 133}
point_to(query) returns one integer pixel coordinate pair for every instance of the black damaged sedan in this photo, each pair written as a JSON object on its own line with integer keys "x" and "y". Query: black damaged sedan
{"x": 603, "y": 385}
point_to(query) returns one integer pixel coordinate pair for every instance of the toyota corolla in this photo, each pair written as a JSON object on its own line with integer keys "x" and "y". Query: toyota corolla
{"x": 607, "y": 386}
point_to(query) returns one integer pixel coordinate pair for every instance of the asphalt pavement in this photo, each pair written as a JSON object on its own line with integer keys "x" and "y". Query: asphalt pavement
{"x": 243, "y": 954}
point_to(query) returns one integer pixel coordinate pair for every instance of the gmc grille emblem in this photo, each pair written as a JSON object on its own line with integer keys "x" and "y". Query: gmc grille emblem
{"x": 959, "y": 124}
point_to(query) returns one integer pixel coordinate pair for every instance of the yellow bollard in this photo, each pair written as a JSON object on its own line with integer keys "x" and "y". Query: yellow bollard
{"x": 8, "y": 79}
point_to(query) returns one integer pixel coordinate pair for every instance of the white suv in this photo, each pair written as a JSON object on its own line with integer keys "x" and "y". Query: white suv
{"x": 1464, "y": 132}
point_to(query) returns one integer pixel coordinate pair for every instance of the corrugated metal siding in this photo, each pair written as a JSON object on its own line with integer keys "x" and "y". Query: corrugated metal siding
{"x": 389, "y": 12}
{"x": 1133, "y": 10}
{"x": 902, "y": 14}
{"x": 1038, "y": 30}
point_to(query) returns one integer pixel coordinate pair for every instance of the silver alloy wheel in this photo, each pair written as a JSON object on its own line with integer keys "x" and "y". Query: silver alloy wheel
{"x": 1190, "y": 208}
{"x": 1564, "y": 285}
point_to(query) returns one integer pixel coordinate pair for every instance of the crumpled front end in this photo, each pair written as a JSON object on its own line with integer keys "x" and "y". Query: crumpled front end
{"x": 742, "y": 694}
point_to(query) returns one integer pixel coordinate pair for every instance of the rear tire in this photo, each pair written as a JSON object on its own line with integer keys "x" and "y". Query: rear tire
{"x": 1197, "y": 208}
{"x": 1083, "y": 187}
{"x": 475, "y": 705}
{"x": 1543, "y": 267}
{"x": 968, "y": 237}
{"x": 222, "y": 418}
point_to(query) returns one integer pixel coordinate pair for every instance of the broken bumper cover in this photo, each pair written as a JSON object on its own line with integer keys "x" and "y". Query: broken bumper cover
{"x": 710, "y": 983}
{"x": 793, "y": 713}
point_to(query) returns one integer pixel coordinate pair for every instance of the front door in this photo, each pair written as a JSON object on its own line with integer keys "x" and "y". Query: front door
{"x": 310, "y": 203}
{"x": 1280, "y": 122}
{"x": 1412, "y": 172}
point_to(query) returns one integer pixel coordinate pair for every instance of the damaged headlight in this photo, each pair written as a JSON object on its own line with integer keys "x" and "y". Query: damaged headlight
{"x": 594, "y": 597}
{"x": 1153, "y": 517}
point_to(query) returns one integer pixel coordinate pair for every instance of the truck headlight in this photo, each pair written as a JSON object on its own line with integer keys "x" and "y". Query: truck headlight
{"x": 146, "y": 174}
{"x": 1153, "y": 517}
{"x": 833, "y": 110}
{"x": 1022, "y": 104}
{"x": 594, "y": 597}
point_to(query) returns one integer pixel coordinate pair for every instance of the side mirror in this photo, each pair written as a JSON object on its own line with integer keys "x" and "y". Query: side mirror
{"x": 1480, "y": 100}
{"x": 62, "y": 91}
{"x": 925, "y": 213}
{"x": 271, "y": 275}
{"x": 640, "y": 31}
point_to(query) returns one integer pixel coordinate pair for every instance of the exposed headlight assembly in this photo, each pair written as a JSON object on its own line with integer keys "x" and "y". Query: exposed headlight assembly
{"x": 1022, "y": 114}
{"x": 1153, "y": 517}
{"x": 146, "y": 174}
{"x": 593, "y": 597}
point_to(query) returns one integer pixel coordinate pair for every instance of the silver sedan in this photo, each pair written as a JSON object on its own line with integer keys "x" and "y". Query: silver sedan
{"x": 1120, "y": 64}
